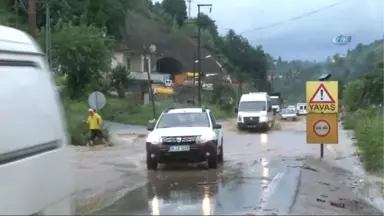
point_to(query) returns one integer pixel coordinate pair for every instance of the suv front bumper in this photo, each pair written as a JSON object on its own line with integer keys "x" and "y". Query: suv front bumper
{"x": 197, "y": 153}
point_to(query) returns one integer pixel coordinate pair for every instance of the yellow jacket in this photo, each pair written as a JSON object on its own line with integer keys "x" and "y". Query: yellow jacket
{"x": 94, "y": 121}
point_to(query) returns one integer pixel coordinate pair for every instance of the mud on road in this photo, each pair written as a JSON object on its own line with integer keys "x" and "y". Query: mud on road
{"x": 263, "y": 173}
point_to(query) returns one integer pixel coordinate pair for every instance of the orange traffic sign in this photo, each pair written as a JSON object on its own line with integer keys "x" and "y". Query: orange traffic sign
{"x": 322, "y": 128}
{"x": 322, "y": 97}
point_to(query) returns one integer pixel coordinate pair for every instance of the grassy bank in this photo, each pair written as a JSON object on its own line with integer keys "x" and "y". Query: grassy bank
{"x": 132, "y": 112}
{"x": 118, "y": 110}
{"x": 368, "y": 128}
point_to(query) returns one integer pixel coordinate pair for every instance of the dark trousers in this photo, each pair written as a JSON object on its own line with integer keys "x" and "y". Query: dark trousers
{"x": 96, "y": 133}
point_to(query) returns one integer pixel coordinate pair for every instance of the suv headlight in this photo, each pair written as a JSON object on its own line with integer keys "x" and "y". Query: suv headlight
{"x": 203, "y": 139}
{"x": 263, "y": 118}
{"x": 155, "y": 140}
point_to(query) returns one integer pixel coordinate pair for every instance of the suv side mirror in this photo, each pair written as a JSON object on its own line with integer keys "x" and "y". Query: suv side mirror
{"x": 217, "y": 126}
{"x": 151, "y": 126}
{"x": 236, "y": 110}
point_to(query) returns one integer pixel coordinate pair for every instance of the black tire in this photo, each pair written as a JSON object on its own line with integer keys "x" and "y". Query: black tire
{"x": 239, "y": 128}
{"x": 152, "y": 164}
{"x": 221, "y": 155}
{"x": 213, "y": 160}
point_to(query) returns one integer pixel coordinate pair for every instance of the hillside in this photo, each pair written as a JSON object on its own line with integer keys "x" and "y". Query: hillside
{"x": 357, "y": 62}
{"x": 142, "y": 30}
{"x": 138, "y": 27}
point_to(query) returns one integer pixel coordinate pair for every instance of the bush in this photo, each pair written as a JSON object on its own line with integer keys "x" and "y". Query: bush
{"x": 369, "y": 136}
{"x": 129, "y": 111}
{"x": 351, "y": 119}
{"x": 77, "y": 130}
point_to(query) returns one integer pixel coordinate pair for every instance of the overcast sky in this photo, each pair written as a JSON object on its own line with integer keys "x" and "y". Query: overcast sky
{"x": 309, "y": 37}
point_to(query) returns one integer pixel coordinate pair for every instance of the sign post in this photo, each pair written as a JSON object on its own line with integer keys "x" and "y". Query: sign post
{"x": 96, "y": 100}
{"x": 322, "y": 113}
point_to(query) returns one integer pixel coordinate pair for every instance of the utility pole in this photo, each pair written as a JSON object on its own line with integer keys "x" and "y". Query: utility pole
{"x": 199, "y": 49}
{"x": 194, "y": 78}
{"x": 48, "y": 40}
{"x": 189, "y": 8}
{"x": 32, "y": 17}
{"x": 17, "y": 13}
{"x": 149, "y": 51}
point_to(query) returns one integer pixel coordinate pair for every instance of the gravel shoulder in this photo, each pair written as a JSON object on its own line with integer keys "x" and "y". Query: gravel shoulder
{"x": 325, "y": 189}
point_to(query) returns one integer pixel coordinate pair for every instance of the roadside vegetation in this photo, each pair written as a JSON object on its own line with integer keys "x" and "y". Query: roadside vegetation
{"x": 363, "y": 99}
{"x": 360, "y": 75}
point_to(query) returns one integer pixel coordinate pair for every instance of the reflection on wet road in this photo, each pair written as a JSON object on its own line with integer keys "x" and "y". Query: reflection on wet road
{"x": 255, "y": 167}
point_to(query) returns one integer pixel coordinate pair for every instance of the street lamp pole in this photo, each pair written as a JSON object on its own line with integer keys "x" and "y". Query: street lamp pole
{"x": 149, "y": 51}
{"x": 32, "y": 17}
{"x": 194, "y": 78}
{"x": 199, "y": 49}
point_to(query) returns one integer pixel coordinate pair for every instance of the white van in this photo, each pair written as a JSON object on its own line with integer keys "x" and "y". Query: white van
{"x": 301, "y": 108}
{"x": 255, "y": 111}
{"x": 35, "y": 174}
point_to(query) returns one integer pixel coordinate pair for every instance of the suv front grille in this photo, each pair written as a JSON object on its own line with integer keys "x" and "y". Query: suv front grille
{"x": 251, "y": 119}
{"x": 179, "y": 140}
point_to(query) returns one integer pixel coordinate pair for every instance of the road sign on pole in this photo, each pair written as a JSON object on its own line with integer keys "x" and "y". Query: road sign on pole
{"x": 322, "y": 97}
{"x": 96, "y": 100}
{"x": 322, "y": 128}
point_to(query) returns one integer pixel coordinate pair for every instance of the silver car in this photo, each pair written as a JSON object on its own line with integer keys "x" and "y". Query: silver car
{"x": 289, "y": 114}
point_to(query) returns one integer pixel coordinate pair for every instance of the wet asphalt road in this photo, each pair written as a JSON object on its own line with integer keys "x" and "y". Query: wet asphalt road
{"x": 258, "y": 175}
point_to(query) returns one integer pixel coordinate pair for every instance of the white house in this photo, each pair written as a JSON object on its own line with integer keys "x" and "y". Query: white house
{"x": 137, "y": 63}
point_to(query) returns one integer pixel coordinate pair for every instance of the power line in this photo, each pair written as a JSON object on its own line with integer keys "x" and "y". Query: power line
{"x": 293, "y": 18}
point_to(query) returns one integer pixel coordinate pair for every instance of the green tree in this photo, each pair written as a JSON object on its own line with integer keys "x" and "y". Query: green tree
{"x": 352, "y": 95}
{"x": 119, "y": 79}
{"x": 249, "y": 60}
{"x": 177, "y": 9}
{"x": 103, "y": 14}
{"x": 81, "y": 53}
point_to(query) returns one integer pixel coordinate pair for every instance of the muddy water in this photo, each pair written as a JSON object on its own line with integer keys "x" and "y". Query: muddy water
{"x": 260, "y": 175}
{"x": 255, "y": 177}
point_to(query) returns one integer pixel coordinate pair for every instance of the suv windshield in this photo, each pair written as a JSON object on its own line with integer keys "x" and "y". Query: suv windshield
{"x": 252, "y": 106}
{"x": 168, "y": 120}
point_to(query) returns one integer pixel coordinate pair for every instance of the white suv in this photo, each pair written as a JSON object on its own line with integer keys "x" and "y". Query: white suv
{"x": 188, "y": 135}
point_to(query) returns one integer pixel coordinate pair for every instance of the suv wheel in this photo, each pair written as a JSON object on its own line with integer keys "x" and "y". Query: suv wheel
{"x": 213, "y": 160}
{"x": 151, "y": 164}
{"x": 221, "y": 155}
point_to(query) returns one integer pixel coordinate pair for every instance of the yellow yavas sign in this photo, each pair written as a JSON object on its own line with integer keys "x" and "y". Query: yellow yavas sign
{"x": 322, "y": 97}
{"x": 322, "y": 128}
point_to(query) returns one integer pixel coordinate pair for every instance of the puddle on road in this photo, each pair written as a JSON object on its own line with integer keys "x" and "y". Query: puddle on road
{"x": 232, "y": 189}
{"x": 243, "y": 184}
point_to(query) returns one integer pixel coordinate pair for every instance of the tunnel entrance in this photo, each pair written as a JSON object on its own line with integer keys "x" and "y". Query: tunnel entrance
{"x": 169, "y": 65}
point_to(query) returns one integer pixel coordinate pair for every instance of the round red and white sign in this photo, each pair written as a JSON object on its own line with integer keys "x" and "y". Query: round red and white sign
{"x": 321, "y": 128}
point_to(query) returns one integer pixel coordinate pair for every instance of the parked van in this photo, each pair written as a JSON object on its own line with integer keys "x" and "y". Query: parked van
{"x": 301, "y": 108}
{"x": 35, "y": 172}
{"x": 255, "y": 111}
